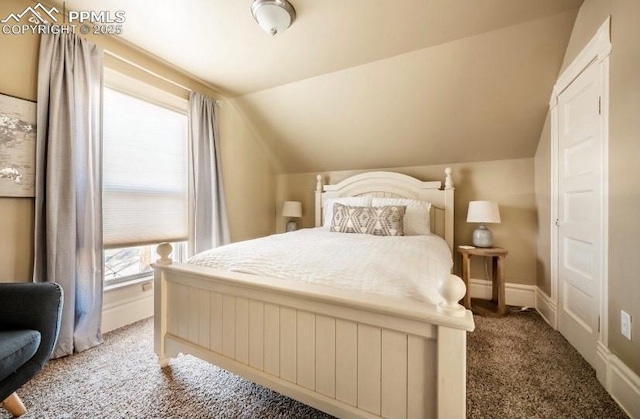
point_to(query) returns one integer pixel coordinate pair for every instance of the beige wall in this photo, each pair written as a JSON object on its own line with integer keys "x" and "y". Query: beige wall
{"x": 509, "y": 182}
{"x": 543, "y": 207}
{"x": 18, "y": 77}
{"x": 624, "y": 171}
{"x": 16, "y": 240}
{"x": 249, "y": 178}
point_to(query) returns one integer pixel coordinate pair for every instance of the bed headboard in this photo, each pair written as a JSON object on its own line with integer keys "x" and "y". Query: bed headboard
{"x": 396, "y": 185}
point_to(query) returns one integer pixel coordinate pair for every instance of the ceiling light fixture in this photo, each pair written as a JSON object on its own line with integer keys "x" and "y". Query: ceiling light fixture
{"x": 274, "y": 16}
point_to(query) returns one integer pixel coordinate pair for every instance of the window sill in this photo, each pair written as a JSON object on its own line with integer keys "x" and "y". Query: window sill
{"x": 124, "y": 284}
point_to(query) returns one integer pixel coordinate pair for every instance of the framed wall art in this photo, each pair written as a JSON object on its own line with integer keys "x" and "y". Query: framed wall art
{"x": 17, "y": 147}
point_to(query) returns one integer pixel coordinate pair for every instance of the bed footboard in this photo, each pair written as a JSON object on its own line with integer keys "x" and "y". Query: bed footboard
{"x": 348, "y": 357}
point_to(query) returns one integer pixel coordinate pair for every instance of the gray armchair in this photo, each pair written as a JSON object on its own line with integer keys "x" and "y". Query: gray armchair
{"x": 29, "y": 325}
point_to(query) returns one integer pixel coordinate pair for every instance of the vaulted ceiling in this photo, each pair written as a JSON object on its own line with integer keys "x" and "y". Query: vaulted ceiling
{"x": 370, "y": 83}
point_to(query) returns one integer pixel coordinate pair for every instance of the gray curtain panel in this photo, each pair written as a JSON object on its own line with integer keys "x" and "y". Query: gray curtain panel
{"x": 209, "y": 224}
{"x": 68, "y": 204}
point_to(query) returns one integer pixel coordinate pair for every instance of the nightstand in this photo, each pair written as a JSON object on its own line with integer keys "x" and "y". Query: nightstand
{"x": 496, "y": 306}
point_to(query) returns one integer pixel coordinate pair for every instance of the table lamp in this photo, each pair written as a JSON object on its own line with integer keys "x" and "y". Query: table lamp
{"x": 292, "y": 209}
{"x": 483, "y": 212}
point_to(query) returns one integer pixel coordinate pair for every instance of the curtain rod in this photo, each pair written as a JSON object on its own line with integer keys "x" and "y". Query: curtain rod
{"x": 146, "y": 70}
{"x": 154, "y": 74}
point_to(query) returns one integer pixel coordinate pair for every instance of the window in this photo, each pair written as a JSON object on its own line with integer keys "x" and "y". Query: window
{"x": 145, "y": 175}
{"x": 130, "y": 263}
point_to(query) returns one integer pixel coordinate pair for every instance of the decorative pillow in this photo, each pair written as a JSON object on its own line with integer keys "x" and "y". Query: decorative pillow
{"x": 379, "y": 221}
{"x": 416, "y": 219}
{"x": 354, "y": 201}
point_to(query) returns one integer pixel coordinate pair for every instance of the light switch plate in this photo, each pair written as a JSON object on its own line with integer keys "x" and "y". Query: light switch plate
{"x": 625, "y": 324}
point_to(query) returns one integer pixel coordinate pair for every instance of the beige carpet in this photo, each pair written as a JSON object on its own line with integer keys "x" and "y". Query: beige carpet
{"x": 518, "y": 367}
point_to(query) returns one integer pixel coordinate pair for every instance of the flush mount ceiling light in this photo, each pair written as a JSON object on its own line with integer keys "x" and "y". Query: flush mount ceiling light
{"x": 274, "y": 16}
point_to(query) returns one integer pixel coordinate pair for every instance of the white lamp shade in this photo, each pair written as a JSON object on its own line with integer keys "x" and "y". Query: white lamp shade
{"x": 274, "y": 16}
{"x": 483, "y": 212}
{"x": 292, "y": 209}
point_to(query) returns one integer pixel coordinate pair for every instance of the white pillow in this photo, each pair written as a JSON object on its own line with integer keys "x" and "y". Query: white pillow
{"x": 352, "y": 201}
{"x": 416, "y": 219}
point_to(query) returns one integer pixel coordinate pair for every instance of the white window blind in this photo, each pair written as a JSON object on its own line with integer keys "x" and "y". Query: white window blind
{"x": 145, "y": 173}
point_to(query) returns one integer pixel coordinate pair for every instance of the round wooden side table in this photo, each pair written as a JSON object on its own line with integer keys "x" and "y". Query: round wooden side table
{"x": 496, "y": 307}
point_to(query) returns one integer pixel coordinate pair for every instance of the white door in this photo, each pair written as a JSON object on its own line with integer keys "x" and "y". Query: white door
{"x": 580, "y": 209}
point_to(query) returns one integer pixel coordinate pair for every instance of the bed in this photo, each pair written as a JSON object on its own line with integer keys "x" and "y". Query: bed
{"x": 343, "y": 351}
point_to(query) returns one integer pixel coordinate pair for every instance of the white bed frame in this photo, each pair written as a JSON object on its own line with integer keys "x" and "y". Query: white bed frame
{"x": 346, "y": 353}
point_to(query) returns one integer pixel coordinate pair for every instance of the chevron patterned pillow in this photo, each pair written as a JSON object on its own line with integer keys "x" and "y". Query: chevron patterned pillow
{"x": 379, "y": 221}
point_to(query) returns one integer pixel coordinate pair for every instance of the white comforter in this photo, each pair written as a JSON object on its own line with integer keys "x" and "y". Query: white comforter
{"x": 408, "y": 267}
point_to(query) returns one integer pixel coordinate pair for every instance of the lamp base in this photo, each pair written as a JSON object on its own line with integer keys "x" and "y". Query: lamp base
{"x": 292, "y": 225}
{"x": 482, "y": 237}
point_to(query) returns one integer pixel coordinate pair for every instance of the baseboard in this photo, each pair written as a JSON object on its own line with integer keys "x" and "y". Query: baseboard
{"x": 127, "y": 313}
{"x": 515, "y": 294}
{"x": 547, "y": 308}
{"x": 615, "y": 376}
{"x": 624, "y": 386}
{"x": 603, "y": 356}
{"x": 126, "y": 305}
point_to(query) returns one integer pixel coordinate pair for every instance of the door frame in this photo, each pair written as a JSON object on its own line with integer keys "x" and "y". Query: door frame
{"x": 596, "y": 52}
